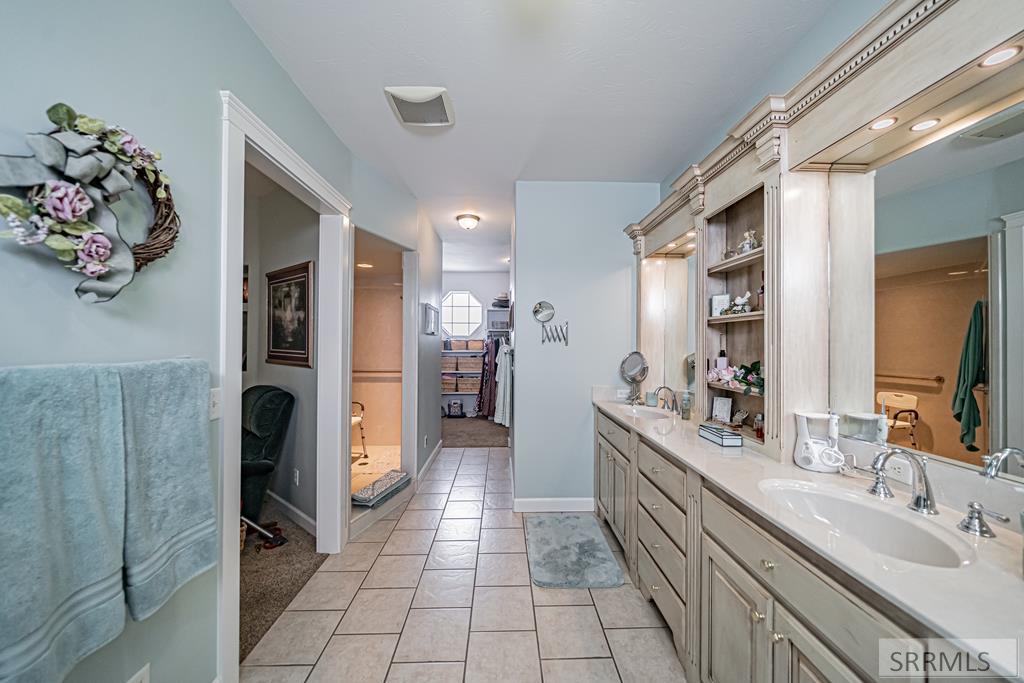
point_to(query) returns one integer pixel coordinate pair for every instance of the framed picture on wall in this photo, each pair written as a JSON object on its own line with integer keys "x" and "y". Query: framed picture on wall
{"x": 431, "y": 318}
{"x": 290, "y": 315}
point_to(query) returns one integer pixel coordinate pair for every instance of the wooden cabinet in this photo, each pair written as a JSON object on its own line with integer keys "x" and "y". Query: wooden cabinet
{"x": 800, "y": 656}
{"x": 604, "y": 478}
{"x": 619, "y": 494}
{"x": 735, "y": 615}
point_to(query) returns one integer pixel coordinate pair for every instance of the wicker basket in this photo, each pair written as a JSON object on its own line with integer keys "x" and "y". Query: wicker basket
{"x": 474, "y": 344}
{"x": 469, "y": 384}
{"x": 449, "y": 363}
{"x": 241, "y": 532}
{"x": 458, "y": 344}
{"x": 448, "y": 383}
{"x": 471, "y": 364}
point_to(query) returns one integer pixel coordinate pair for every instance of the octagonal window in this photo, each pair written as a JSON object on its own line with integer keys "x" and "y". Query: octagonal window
{"x": 461, "y": 314}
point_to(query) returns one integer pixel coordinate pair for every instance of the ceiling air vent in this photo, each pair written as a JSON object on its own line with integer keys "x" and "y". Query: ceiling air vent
{"x": 1009, "y": 121}
{"x": 417, "y": 105}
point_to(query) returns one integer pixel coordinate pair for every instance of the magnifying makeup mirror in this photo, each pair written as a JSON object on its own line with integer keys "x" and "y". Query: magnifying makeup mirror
{"x": 543, "y": 312}
{"x": 634, "y": 369}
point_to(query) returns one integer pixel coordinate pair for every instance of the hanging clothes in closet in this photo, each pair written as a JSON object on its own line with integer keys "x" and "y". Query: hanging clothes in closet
{"x": 503, "y": 395}
{"x": 485, "y": 398}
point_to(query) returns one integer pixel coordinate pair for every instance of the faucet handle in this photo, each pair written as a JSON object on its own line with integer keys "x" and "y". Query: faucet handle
{"x": 974, "y": 523}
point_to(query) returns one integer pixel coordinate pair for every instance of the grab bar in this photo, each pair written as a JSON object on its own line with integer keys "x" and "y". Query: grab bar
{"x": 938, "y": 379}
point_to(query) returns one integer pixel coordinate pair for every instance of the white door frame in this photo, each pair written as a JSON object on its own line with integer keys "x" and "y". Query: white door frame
{"x": 410, "y": 360}
{"x": 245, "y": 138}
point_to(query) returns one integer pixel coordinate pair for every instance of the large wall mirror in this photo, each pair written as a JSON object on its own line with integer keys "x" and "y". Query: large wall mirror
{"x": 949, "y": 293}
{"x": 668, "y": 289}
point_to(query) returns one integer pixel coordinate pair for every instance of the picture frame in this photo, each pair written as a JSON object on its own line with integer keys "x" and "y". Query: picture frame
{"x": 431, "y": 319}
{"x": 290, "y": 311}
{"x": 721, "y": 410}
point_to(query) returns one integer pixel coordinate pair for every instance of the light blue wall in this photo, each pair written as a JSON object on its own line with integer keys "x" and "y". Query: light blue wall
{"x": 839, "y": 23}
{"x": 570, "y": 250}
{"x": 953, "y": 210}
{"x": 156, "y": 68}
{"x": 428, "y": 399}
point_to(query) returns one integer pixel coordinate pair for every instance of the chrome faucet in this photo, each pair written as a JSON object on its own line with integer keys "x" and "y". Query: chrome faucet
{"x": 994, "y": 462}
{"x": 921, "y": 498}
{"x": 674, "y": 406}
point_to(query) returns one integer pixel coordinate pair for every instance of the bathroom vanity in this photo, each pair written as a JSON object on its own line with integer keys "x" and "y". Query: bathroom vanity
{"x": 767, "y": 572}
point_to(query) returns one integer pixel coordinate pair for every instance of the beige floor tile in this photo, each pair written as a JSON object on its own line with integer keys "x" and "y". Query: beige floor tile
{"x": 463, "y": 509}
{"x": 420, "y": 519}
{"x": 625, "y": 607}
{"x": 502, "y": 541}
{"x": 498, "y": 485}
{"x": 645, "y": 654}
{"x": 498, "y": 451}
{"x": 458, "y": 530}
{"x": 493, "y": 501}
{"x": 378, "y": 532}
{"x": 580, "y": 671}
{"x": 356, "y": 557}
{"x": 502, "y": 519}
{"x": 502, "y": 658}
{"x": 395, "y": 512}
{"x": 475, "y": 452}
{"x": 502, "y": 570}
{"x": 273, "y": 674}
{"x": 452, "y": 555}
{"x": 467, "y": 493}
{"x": 470, "y": 480}
{"x": 295, "y": 638}
{"x": 428, "y": 501}
{"x": 434, "y": 635}
{"x": 395, "y": 571}
{"x": 439, "y": 474}
{"x": 426, "y": 672}
{"x": 561, "y": 596}
{"x": 327, "y": 590}
{"x": 473, "y": 468}
{"x": 409, "y": 542}
{"x": 450, "y": 451}
{"x": 433, "y": 487}
{"x": 570, "y": 633}
{"x": 502, "y": 608}
{"x": 445, "y": 588}
{"x": 378, "y": 610}
{"x": 355, "y": 658}
{"x": 621, "y": 559}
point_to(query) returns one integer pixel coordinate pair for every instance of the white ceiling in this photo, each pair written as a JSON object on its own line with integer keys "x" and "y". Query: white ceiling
{"x": 541, "y": 89}
{"x": 385, "y": 257}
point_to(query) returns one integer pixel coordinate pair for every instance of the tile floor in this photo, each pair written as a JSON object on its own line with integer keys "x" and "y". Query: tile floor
{"x": 441, "y": 592}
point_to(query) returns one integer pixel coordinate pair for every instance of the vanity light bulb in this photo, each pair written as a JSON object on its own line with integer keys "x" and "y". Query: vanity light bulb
{"x": 924, "y": 125}
{"x": 882, "y": 124}
{"x": 1001, "y": 56}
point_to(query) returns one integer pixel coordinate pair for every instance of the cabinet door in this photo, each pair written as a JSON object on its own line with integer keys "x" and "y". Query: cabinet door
{"x": 604, "y": 479}
{"x": 800, "y": 657}
{"x": 735, "y": 614}
{"x": 620, "y": 471}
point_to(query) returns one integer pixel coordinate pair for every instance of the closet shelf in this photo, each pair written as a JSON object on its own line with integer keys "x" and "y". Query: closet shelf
{"x": 735, "y": 318}
{"x": 463, "y": 353}
{"x": 737, "y": 262}
{"x": 459, "y": 393}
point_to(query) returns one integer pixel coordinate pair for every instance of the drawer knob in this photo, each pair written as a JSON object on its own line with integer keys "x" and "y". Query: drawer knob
{"x": 768, "y": 565}
{"x": 655, "y": 507}
{"x": 756, "y": 617}
{"x": 655, "y": 470}
{"x": 778, "y": 637}
{"x": 655, "y": 588}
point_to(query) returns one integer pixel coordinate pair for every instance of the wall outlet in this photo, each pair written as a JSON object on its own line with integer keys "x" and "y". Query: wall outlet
{"x": 622, "y": 394}
{"x": 898, "y": 470}
{"x": 215, "y": 395}
{"x": 295, "y": 476}
{"x": 142, "y": 676}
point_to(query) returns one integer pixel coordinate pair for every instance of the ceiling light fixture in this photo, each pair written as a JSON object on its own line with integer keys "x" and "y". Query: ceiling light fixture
{"x": 671, "y": 245}
{"x": 507, "y": 259}
{"x": 468, "y": 220}
{"x": 882, "y": 124}
{"x": 692, "y": 233}
{"x": 691, "y": 245}
{"x": 1001, "y": 56}
{"x": 959, "y": 272}
{"x": 364, "y": 265}
{"x": 924, "y": 125}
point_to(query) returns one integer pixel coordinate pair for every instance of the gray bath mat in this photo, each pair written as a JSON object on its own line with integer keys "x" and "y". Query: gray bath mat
{"x": 568, "y": 550}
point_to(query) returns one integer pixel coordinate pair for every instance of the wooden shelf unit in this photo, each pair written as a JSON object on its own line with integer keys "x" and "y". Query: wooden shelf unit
{"x": 743, "y": 343}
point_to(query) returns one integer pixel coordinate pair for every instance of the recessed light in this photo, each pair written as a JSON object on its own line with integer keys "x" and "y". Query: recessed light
{"x": 468, "y": 220}
{"x": 959, "y": 272}
{"x": 692, "y": 233}
{"x": 924, "y": 125}
{"x": 1001, "y": 56}
{"x": 691, "y": 245}
{"x": 397, "y": 284}
{"x": 671, "y": 245}
{"x": 364, "y": 265}
{"x": 882, "y": 124}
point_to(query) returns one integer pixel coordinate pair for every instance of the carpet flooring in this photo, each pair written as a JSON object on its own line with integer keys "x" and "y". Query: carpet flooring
{"x": 271, "y": 578}
{"x": 470, "y": 432}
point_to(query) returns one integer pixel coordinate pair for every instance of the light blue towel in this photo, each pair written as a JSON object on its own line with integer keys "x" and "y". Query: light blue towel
{"x": 106, "y": 491}
{"x": 62, "y": 501}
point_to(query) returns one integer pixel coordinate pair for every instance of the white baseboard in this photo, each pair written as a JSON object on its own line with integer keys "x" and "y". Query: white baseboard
{"x": 430, "y": 460}
{"x": 295, "y": 514}
{"x": 553, "y": 505}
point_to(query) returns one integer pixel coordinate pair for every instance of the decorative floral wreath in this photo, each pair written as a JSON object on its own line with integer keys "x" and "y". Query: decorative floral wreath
{"x": 75, "y": 172}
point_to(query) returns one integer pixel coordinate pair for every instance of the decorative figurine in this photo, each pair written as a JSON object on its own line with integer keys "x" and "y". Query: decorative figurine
{"x": 749, "y": 242}
{"x": 740, "y": 304}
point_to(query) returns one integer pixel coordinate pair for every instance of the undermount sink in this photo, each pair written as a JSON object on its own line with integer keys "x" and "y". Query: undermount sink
{"x": 651, "y": 413}
{"x": 869, "y": 522}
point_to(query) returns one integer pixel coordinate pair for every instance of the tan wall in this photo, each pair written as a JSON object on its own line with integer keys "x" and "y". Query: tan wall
{"x": 377, "y": 362}
{"x": 920, "y": 323}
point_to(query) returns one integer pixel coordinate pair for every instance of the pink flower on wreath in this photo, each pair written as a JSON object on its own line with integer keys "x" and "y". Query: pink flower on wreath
{"x": 130, "y": 144}
{"x": 65, "y": 201}
{"x": 95, "y": 248}
{"x": 93, "y": 268}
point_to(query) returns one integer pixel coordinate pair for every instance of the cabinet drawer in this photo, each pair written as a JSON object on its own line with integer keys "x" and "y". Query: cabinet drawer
{"x": 616, "y": 435}
{"x": 655, "y": 586}
{"x": 663, "y": 511}
{"x": 848, "y": 624}
{"x": 663, "y": 474}
{"x": 664, "y": 552}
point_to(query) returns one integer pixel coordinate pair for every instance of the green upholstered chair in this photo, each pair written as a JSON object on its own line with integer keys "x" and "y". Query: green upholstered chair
{"x": 266, "y": 412}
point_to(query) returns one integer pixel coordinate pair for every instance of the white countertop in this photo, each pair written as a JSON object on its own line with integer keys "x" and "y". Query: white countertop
{"x": 983, "y": 598}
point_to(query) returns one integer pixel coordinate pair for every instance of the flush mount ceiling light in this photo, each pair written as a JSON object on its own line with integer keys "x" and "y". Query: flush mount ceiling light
{"x": 468, "y": 220}
{"x": 924, "y": 125}
{"x": 1001, "y": 56}
{"x": 882, "y": 124}
{"x": 364, "y": 265}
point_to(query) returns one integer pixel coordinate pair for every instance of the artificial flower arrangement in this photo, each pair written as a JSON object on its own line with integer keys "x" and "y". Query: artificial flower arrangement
{"x": 745, "y": 377}
{"x": 74, "y": 173}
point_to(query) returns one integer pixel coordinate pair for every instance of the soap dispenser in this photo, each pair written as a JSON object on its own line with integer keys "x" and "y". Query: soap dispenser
{"x": 722, "y": 362}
